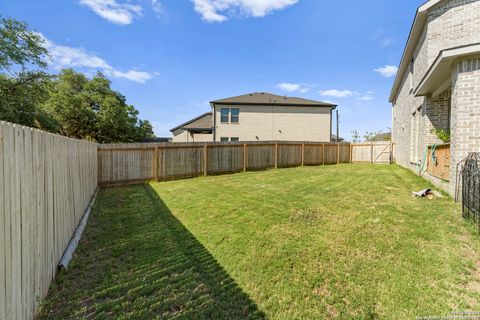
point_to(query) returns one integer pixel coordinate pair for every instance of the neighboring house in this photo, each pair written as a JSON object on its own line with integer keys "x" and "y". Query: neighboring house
{"x": 335, "y": 139}
{"x": 267, "y": 117}
{"x": 438, "y": 85}
{"x": 196, "y": 130}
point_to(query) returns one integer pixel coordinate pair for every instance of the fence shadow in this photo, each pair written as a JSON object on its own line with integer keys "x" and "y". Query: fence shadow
{"x": 137, "y": 260}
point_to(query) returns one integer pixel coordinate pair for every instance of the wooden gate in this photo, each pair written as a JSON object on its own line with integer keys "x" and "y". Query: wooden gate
{"x": 374, "y": 152}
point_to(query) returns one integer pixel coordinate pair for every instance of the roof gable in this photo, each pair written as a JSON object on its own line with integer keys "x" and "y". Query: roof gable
{"x": 418, "y": 25}
{"x": 203, "y": 121}
{"x": 263, "y": 98}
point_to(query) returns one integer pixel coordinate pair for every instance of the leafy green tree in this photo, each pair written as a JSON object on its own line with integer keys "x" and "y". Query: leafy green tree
{"x": 90, "y": 109}
{"x": 20, "y": 98}
{"x": 356, "y": 137}
{"x": 22, "y": 91}
{"x": 144, "y": 130}
{"x": 69, "y": 103}
{"x": 20, "y": 46}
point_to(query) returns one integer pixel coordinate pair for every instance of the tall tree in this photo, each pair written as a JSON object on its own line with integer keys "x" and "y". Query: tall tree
{"x": 20, "y": 46}
{"x": 90, "y": 109}
{"x": 21, "y": 91}
{"x": 70, "y": 103}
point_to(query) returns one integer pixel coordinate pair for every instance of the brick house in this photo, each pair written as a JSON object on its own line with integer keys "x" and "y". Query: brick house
{"x": 438, "y": 87}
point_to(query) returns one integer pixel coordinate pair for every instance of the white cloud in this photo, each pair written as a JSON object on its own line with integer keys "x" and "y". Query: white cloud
{"x": 294, "y": 87}
{"x": 221, "y": 10}
{"x": 79, "y": 58}
{"x": 132, "y": 75}
{"x": 289, "y": 87}
{"x": 387, "y": 71}
{"x": 338, "y": 93}
{"x": 382, "y": 39}
{"x": 113, "y": 11}
{"x": 365, "y": 97}
{"x": 157, "y": 7}
{"x": 386, "y": 42}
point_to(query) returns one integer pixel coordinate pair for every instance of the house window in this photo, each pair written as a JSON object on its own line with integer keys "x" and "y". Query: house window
{"x": 224, "y": 139}
{"x": 224, "y": 115}
{"x": 234, "y": 139}
{"x": 234, "y": 115}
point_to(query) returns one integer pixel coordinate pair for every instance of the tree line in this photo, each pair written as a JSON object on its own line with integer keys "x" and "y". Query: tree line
{"x": 67, "y": 103}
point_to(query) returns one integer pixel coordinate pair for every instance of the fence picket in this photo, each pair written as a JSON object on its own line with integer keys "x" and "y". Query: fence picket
{"x": 46, "y": 184}
{"x": 3, "y": 226}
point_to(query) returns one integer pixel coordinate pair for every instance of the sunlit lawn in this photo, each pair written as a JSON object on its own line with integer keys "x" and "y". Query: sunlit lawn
{"x": 344, "y": 241}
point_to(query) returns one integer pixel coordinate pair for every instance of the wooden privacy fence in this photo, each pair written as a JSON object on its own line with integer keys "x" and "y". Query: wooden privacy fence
{"x": 46, "y": 183}
{"x": 438, "y": 161}
{"x": 140, "y": 162}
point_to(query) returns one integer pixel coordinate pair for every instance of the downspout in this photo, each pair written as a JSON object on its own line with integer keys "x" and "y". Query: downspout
{"x": 214, "y": 123}
{"x": 331, "y": 115}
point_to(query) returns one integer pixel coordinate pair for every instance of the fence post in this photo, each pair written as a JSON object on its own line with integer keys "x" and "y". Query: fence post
{"x": 156, "y": 159}
{"x": 303, "y": 154}
{"x": 205, "y": 159}
{"x": 276, "y": 155}
{"x": 323, "y": 154}
{"x": 244, "y": 157}
{"x": 351, "y": 152}
{"x": 338, "y": 153}
{"x": 371, "y": 152}
{"x": 391, "y": 152}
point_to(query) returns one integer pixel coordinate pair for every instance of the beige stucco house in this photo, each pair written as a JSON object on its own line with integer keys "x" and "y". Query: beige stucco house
{"x": 438, "y": 86}
{"x": 198, "y": 129}
{"x": 260, "y": 117}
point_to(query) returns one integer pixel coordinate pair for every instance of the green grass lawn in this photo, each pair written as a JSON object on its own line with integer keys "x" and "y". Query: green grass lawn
{"x": 344, "y": 241}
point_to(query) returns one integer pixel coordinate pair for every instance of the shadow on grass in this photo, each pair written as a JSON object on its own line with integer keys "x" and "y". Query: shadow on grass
{"x": 136, "y": 260}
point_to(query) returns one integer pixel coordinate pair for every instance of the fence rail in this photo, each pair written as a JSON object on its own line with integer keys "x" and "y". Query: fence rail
{"x": 46, "y": 183}
{"x": 125, "y": 163}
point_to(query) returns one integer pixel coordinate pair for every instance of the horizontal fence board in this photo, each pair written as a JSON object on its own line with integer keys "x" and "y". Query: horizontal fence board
{"x": 47, "y": 183}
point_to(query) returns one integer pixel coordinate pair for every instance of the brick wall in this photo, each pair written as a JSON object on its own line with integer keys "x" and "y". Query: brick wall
{"x": 451, "y": 24}
{"x": 437, "y": 116}
{"x": 465, "y": 112}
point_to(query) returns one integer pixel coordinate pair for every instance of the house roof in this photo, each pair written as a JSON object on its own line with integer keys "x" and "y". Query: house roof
{"x": 202, "y": 123}
{"x": 268, "y": 99}
{"x": 418, "y": 25}
{"x": 334, "y": 138}
{"x": 438, "y": 77}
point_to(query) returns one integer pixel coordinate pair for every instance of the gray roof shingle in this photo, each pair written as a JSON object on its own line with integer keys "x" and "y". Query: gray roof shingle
{"x": 263, "y": 98}
{"x": 203, "y": 121}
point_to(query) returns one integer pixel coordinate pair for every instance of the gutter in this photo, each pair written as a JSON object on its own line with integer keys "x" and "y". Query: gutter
{"x": 73, "y": 244}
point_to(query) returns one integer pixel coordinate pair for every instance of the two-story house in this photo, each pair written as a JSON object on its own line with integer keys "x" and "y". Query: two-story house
{"x": 262, "y": 117}
{"x": 437, "y": 88}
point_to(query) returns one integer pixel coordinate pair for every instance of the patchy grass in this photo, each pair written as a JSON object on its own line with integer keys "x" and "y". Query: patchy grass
{"x": 343, "y": 241}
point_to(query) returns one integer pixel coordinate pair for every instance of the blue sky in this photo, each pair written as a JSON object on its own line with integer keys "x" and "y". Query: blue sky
{"x": 170, "y": 57}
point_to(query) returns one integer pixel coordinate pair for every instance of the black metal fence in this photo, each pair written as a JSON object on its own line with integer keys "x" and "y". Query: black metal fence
{"x": 471, "y": 189}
